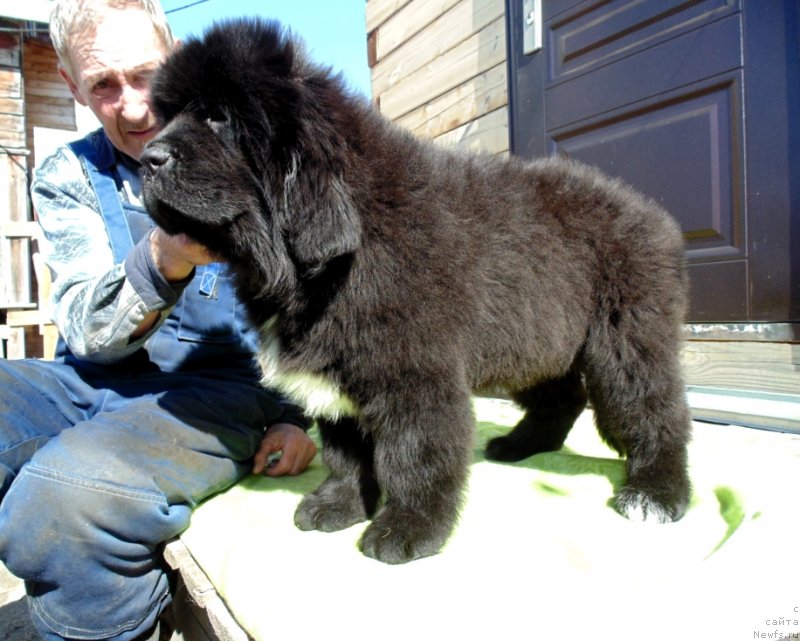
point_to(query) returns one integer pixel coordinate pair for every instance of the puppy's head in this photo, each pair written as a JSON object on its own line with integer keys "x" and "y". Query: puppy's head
{"x": 247, "y": 149}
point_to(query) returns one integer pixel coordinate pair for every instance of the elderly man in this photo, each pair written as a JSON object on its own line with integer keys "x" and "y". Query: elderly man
{"x": 153, "y": 402}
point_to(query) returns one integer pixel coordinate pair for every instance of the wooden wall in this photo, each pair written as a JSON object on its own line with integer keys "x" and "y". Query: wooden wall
{"x": 48, "y": 102}
{"x": 15, "y": 283}
{"x": 439, "y": 69}
{"x": 32, "y": 95}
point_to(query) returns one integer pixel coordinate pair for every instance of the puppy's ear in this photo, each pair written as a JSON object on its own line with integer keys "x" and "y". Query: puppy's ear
{"x": 330, "y": 228}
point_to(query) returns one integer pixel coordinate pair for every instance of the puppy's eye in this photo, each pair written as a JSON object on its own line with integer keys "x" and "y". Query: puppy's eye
{"x": 222, "y": 128}
{"x": 217, "y": 124}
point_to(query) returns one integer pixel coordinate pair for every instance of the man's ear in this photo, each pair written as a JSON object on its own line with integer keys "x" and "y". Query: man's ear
{"x": 73, "y": 88}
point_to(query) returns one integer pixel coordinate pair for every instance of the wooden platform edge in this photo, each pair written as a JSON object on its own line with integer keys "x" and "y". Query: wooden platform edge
{"x": 200, "y": 613}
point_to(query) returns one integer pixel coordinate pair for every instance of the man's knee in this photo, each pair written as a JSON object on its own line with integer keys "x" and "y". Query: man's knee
{"x": 87, "y": 547}
{"x": 51, "y": 520}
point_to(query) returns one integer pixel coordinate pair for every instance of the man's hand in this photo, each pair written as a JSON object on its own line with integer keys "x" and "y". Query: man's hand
{"x": 176, "y": 256}
{"x": 297, "y": 451}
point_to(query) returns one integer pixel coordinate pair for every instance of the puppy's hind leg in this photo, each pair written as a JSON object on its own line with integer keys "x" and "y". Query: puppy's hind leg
{"x": 350, "y": 494}
{"x": 550, "y": 411}
{"x": 636, "y": 389}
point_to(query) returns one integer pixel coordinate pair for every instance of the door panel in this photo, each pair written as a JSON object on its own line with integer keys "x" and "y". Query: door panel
{"x": 716, "y": 291}
{"x": 655, "y": 92}
{"x": 644, "y": 74}
{"x": 685, "y": 140}
{"x": 599, "y": 34}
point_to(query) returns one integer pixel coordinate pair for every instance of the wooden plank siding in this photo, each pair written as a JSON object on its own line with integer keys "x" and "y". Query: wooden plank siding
{"x": 32, "y": 95}
{"x": 488, "y": 133}
{"x": 16, "y": 289}
{"x": 48, "y": 101}
{"x": 407, "y": 22}
{"x": 15, "y": 271}
{"x": 11, "y": 106}
{"x": 378, "y": 11}
{"x": 12, "y": 119}
{"x": 438, "y": 69}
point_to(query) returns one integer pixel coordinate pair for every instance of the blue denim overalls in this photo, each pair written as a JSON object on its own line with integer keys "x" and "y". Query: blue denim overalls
{"x": 206, "y": 328}
{"x": 101, "y": 465}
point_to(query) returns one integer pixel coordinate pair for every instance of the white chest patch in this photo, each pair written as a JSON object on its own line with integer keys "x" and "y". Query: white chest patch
{"x": 316, "y": 394}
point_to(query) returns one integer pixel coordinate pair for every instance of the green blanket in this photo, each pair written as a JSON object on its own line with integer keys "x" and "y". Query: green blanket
{"x": 538, "y": 553}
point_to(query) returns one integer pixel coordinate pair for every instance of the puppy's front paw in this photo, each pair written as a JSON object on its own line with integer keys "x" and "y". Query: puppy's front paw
{"x": 398, "y": 536}
{"x": 332, "y": 507}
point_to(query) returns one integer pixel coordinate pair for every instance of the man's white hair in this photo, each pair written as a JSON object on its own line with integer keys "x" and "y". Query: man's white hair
{"x": 71, "y": 18}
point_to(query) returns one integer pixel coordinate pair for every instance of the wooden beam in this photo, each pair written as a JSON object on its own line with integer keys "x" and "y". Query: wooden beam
{"x": 23, "y": 317}
{"x": 20, "y": 229}
{"x": 372, "y": 57}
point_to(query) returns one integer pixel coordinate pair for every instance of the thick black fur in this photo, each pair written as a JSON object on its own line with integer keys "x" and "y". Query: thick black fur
{"x": 406, "y": 276}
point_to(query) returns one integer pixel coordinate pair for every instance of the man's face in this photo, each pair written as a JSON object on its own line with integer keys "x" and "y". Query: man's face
{"x": 111, "y": 75}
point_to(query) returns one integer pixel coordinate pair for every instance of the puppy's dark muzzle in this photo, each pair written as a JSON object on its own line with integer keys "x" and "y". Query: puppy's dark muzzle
{"x": 156, "y": 156}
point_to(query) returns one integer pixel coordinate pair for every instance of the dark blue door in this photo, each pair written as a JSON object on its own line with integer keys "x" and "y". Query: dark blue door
{"x": 696, "y": 103}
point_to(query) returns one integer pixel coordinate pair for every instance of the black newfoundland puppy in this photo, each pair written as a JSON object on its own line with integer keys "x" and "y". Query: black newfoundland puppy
{"x": 390, "y": 278}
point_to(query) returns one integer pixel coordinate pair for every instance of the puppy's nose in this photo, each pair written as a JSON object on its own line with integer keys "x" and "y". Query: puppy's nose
{"x": 155, "y": 157}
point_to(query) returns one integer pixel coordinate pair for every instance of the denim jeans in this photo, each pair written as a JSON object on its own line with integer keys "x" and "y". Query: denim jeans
{"x": 96, "y": 477}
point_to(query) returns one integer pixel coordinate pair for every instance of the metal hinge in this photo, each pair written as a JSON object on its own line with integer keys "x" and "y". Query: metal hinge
{"x": 532, "y": 29}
